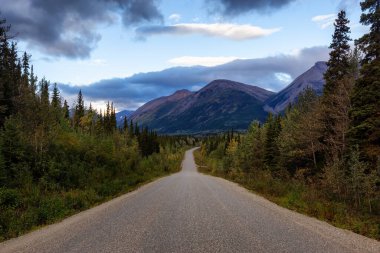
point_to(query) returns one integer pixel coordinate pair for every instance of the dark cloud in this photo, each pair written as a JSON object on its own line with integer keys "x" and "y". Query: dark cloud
{"x": 236, "y": 7}
{"x": 69, "y": 28}
{"x": 269, "y": 73}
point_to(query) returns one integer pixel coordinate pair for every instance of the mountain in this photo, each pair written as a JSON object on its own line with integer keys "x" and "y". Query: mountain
{"x": 120, "y": 116}
{"x": 311, "y": 78}
{"x": 220, "y": 105}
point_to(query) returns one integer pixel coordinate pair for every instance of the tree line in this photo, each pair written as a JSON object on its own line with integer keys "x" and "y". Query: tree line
{"x": 56, "y": 160}
{"x": 322, "y": 155}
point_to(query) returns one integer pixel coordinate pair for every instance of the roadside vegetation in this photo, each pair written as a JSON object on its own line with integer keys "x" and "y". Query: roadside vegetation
{"x": 56, "y": 161}
{"x": 322, "y": 155}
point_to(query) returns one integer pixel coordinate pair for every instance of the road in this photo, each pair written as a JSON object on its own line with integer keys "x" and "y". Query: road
{"x": 190, "y": 212}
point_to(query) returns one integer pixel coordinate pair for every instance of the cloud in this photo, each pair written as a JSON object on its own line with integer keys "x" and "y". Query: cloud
{"x": 272, "y": 73}
{"x": 175, "y": 17}
{"x": 202, "y": 61}
{"x": 69, "y": 28}
{"x": 224, "y": 30}
{"x": 236, "y": 7}
{"x": 324, "y": 21}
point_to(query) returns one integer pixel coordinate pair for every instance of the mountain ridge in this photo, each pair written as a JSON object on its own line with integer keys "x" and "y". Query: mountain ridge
{"x": 223, "y": 104}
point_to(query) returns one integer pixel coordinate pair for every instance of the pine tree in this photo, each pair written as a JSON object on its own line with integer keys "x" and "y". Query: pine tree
{"x": 335, "y": 100}
{"x": 365, "y": 112}
{"x": 131, "y": 129}
{"x": 338, "y": 64}
{"x": 25, "y": 67}
{"x": 66, "y": 111}
{"x": 125, "y": 124}
{"x": 271, "y": 145}
{"x": 79, "y": 109}
{"x": 44, "y": 92}
{"x": 33, "y": 81}
{"x": 56, "y": 98}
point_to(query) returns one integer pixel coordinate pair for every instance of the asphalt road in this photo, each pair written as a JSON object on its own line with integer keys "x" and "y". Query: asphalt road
{"x": 190, "y": 212}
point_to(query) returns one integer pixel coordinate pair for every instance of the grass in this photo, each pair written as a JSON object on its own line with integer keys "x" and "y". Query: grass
{"x": 299, "y": 197}
{"x": 25, "y": 210}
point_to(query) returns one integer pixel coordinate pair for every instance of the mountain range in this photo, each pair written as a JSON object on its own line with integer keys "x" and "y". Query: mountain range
{"x": 222, "y": 105}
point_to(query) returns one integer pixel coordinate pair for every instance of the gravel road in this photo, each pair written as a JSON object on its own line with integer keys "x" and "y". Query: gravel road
{"x": 190, "y": 212}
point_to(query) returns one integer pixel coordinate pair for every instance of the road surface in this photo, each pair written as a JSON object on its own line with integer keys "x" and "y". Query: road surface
{"x": 190, "y": 212}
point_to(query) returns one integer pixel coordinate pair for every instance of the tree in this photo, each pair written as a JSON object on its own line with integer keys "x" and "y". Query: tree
{"x": 299, "y": 139}
{"x": 338, "y": 64}
{"x": 79, "y": 109}
{"x": 365, "y": 112}
{"x": 125, "y": 124}
{"x": 339, "y": 78}
{"x": 44, "y": 92}
{"x": 66, "y": 111}
{"x": 56, "y": 98}
{"x": 273, "y": 129}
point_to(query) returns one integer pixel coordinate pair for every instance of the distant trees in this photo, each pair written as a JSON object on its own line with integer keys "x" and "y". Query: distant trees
{"x": 52, "y": 163}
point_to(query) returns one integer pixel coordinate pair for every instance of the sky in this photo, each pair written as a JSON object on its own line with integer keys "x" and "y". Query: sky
{"x": 132, "y": 51}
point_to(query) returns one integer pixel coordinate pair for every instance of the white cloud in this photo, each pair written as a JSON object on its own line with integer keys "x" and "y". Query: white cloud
{"x": 324, "y": 21}
{"x": 175, "y": 17}
{"x": 203, "y": 61}
{"x": 225, "y": 30}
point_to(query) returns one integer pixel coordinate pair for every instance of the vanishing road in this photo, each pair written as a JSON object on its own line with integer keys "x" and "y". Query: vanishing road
{"x": 190, "y": 212}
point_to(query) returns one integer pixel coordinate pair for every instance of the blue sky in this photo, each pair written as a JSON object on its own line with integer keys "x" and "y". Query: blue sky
{"x": 100, "y": 47}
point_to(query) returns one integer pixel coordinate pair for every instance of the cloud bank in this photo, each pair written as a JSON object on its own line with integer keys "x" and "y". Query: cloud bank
{"x": 69, "y": 28}
{"x": 224, "y": 30}
{"x": 272, "y": 73}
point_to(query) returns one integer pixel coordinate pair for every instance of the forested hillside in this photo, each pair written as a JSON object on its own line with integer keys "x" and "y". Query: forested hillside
{"x": 53, "y": 165}
{"x": 322, "y": 157}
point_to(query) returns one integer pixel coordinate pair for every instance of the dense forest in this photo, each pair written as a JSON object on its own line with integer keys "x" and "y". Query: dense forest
{"x": 322, "y": 155}
{"x": 56, "y": 160}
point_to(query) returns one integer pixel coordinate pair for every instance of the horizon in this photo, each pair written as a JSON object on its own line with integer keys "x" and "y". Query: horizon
{"x": 133, "y": 53}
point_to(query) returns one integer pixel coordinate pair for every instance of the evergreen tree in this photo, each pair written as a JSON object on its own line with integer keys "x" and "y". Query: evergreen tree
{"x": 33, "y": 81}
{"x": 271, "y": 146}
{"x": 335, "y": 100}
{"x": 25, "y": 67}
{"x": 131, "y": 129}
{"x": 66, "y": 111}
{"x": 125, "y": 124}
{"x": 338, "y": 64}
{"x": 44, "y": 92}
{"x": 56, "y": 98}
{"x": 79, "y": 109}
{"x": 365, "y": 112}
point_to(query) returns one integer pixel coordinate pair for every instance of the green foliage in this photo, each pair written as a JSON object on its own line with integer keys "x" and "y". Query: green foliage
{"x": 365, "y": 111}
{"x": 51, "y": 165}
{"x": 284, "y": 160}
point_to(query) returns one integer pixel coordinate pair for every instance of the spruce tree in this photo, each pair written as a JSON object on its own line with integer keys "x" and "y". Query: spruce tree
{"x": 25, "y": 68}
{"x": 79, "y": 109}
{"x": 338, "y": 77}
{"x": 125, "y": 124}
{"x": 271, "y": 145}
{"x": 56, "y": 99}
{"x": 365, "y": 112}
{"x": 44, "y": 92}
{"x": 339, "y": 63}
{"x": 66, "y": 111}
